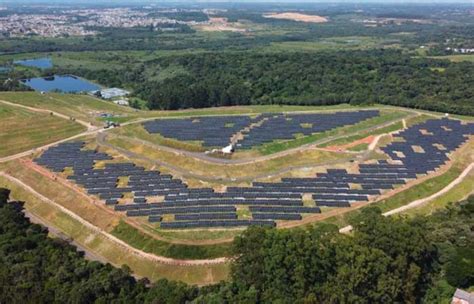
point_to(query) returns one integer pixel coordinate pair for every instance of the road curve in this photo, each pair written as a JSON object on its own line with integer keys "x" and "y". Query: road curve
{"x": 101, "y": 140}
{"x": 422, "y": 201}
{"x": 117, "y": 241}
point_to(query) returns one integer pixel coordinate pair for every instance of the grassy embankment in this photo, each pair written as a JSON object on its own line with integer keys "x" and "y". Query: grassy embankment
{"x": 462, "y": 159}
{"x": 99, "y": 245}
{"x": 108, "y": 220}
{"x": 81, "y": 107}
{"x": 247, "y": 170}
{"x": 22, "y": 129}
{"x": 384, "y": 130}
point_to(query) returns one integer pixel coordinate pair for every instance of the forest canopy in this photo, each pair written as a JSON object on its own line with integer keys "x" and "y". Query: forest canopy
{"x": 356, "y": 77}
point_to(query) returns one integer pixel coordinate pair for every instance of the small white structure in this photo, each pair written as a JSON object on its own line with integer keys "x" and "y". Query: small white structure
{"x": 228, "y": 149}
{"x": 121, "y": 102}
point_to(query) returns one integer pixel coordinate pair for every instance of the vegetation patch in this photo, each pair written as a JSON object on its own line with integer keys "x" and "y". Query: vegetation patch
{"x": 22, "y": 129}
{"x": 146, "y": 243}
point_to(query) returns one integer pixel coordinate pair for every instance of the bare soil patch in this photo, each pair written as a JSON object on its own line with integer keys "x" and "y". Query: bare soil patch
{"x": 298, "y": 17}
{"x": 366, "y": 140}
{"x": 221, "y": 25}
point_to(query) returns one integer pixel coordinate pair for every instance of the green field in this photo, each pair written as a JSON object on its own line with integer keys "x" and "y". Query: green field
{"x": 456, "y": 58}
{"x": 143, "y": 242}
{"x": 81, "y": 107}
{"x": 22, "y": 129}
{"x": 334, "y": 44}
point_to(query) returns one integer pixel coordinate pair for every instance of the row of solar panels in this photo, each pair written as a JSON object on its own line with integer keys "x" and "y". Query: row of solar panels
{"x": 218, "y": 130}
{"x": 330, "y": 189}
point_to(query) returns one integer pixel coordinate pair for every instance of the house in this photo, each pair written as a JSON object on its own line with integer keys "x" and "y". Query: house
{"x": 462, "y": 297}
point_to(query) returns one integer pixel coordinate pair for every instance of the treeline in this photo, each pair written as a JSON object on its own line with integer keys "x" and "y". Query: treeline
{"x": 37, "y": 269}
{"x": 385, "y": 260}
{"x": 10, "y": 79}
{"x": 357, "y": 77}
{"x": 155, "y": 38}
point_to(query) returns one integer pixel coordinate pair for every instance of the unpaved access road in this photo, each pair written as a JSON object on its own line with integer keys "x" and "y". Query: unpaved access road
{"x": 422, "y": 201}
{"x": 117, "y": 241}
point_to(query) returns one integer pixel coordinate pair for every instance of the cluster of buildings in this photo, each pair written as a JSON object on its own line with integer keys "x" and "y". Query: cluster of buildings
{"x": 76, "y": 22}
{"x": 116, "y": 95}
{"x": 461, "y": 50}
{"x": 392, "y": 21}
{"x": 40, "y": 25}
{"x": 121, "y": 17}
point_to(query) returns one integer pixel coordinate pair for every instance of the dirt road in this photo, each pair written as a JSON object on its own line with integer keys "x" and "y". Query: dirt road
{"x": 101, "y": 140}
{"x": 117, "y": 241}
{"x": 242, "y": 161}
{"x": 425, "y": 200}
{"x": 39, "y": 110}
{"x": 59, "y": 234}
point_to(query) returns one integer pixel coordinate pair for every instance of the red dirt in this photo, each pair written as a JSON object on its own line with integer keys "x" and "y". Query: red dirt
{"x": 366, "y": 140}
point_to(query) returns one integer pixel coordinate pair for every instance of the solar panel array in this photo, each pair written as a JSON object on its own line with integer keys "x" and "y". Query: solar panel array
{"x": 217, "y": 131}
{"x": 266, "y": 202}
{"x": 214, "y": 131}
{"x": 286, "y": 126}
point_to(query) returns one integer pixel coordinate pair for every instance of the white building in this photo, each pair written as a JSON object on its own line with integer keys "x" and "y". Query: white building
{"x": 121, "y": 102}
{"x": 112, "y": 93}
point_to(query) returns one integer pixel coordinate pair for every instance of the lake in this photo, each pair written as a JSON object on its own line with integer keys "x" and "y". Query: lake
{"x": 66, "y": 84}
{"x": 41, "y": 63}
{"x": 4, "y": 69}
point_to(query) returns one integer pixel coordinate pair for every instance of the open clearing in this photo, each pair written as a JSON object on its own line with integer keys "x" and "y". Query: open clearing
{"x": 298, "y": 17}
{"x": 456, "y": 58}
{"x": 216, "y": 24}
{"x": 81, "y": 107}
{"x": 21, "y": 130}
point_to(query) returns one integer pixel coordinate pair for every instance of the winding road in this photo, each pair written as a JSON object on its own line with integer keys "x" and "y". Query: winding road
{"x": 425, "y": 200}
{"x": 117, "y": 241}
{"x": 101, "y": 140}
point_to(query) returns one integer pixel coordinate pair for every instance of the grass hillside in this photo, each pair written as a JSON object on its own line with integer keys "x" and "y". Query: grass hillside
{"x": 22, "y": 129}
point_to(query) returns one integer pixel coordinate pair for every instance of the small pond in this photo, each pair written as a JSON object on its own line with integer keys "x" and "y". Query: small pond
{"x": 41, "y": 63}
{"x": 66, "y": 84}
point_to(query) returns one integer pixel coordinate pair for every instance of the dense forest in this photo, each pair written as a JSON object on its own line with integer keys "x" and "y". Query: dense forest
{"x": 45, "y": 270}
{"x": 385, "y": 260}
{"x": 356, "y": 77}
{"x": 209, "y": 79}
